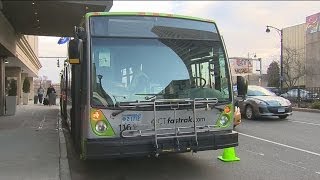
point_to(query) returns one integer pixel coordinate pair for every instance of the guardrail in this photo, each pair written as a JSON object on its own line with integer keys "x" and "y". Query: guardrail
{"x": 302, "y": 97}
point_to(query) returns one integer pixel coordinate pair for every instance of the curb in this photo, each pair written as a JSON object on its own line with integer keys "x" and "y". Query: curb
{"x": 64, "y": 170}
{"x": 306, "y": 110}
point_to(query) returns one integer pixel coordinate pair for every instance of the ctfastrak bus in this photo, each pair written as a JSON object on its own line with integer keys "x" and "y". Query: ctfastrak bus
{"x": 146, "y": 84}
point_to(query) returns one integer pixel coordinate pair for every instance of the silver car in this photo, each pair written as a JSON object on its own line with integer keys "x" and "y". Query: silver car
{"x": 261, "y": 102}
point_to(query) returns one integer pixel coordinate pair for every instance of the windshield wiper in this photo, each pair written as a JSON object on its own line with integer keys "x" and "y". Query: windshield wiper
{"x": 149, "y": 96}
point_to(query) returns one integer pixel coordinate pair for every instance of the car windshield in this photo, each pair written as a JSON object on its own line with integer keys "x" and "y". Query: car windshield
{"x": 259, "y": 91}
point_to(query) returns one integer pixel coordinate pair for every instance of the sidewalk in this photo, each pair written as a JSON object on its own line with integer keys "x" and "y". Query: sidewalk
{"x": 30, "y": 144}
{"x": 306, "y": 110}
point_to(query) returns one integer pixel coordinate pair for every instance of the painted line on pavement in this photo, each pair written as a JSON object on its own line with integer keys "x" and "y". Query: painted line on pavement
{"x": 318, "y": 172}
{"x": 41, "y": 123}
{"x": 257, "y": 153}
{"x": 302, "y": 122}
{"x": 292, "y": 164}
{"x": 280, "y": 144}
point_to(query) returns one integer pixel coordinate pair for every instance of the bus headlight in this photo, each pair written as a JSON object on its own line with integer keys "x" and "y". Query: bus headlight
{"x": 101, "y": 126}
{"x": 223, "y": 120}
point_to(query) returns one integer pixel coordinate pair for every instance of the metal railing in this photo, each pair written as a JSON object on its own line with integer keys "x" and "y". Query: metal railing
{"x": 301, "y": 96}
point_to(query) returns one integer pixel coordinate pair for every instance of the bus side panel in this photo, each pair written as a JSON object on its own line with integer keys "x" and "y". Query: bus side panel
{"x": 68, "y": 95}
{"x": 75, "y": 110}
{"x": 85, "y": 95}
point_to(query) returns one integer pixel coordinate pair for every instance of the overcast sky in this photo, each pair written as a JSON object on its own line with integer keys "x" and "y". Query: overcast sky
{"x": 242, "y": 24}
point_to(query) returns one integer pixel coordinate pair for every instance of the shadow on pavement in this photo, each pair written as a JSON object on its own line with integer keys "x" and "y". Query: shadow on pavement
{"x": 173, "y": 166}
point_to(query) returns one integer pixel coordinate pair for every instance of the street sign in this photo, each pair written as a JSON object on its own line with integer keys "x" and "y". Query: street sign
{"x": 241, "y": 66}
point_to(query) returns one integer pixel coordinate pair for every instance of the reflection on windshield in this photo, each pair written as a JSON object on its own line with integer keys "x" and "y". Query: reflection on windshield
{"x": 126, "y": 70}
{"x": 259, "y": 91}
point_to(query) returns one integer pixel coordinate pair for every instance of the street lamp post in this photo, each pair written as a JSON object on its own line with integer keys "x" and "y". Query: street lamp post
{"x": 281, "y": 56}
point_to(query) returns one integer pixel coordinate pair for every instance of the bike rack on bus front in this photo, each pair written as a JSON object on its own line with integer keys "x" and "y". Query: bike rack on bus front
{"x": 175, "y": 104}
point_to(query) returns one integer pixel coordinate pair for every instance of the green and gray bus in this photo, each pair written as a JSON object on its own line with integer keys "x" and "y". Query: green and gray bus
{"x": 146, "y": 84}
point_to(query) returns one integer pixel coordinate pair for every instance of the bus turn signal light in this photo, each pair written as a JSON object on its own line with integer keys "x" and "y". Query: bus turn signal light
{"x": 227, "y": 109}
{"x": 96, "y": 115}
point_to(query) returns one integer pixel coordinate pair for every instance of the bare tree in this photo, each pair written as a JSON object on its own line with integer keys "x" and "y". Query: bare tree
{"x": 293, "y": 65}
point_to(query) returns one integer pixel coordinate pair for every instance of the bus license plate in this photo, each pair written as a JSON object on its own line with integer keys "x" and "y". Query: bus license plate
{"x": 131, "y": 118}
{"x": 280, "y": 110}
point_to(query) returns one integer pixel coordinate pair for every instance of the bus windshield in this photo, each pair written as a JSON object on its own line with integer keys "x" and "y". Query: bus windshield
{"x": 126, "y": 69}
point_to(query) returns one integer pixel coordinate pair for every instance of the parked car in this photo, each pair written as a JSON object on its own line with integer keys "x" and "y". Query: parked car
{"x": 275, "y": 90}
{"x": 261, "y": 102}
{"x": 304, "y": 95}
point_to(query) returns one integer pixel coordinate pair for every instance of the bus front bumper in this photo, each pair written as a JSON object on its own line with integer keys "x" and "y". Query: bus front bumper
{"x": 107, "y": 148}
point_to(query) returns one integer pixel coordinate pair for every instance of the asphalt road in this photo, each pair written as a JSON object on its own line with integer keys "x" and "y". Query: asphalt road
{"x": 269, "y": 149}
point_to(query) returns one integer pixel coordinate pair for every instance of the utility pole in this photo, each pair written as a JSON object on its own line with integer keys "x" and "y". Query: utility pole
{"x": 248, "y": 61}
{"x": 260, "y": 75}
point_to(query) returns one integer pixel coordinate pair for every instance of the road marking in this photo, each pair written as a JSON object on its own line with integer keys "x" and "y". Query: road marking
{"x": 261, "y": 154}
{"x": 284, "y": 145}
{"x": 293, "y": 164}
{"x": 318, "y": 172}
{"x": 41, "y": 123}
{"x": 302, "y": 122}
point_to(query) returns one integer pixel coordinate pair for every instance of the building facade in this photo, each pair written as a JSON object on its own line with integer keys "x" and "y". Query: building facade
{"x": 20, "y": 24}
{"x": 313, "y": 50}
{"x": 293, "y": 53}
{"x": 301, "y": 44}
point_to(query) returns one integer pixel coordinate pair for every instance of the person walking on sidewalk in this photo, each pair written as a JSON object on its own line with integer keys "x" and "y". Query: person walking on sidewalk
{"x": 51, "y": 93}
{"x": 40, "y": 94}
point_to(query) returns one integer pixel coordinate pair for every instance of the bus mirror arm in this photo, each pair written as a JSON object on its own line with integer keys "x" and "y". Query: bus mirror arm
{"x": 79, "y": 33}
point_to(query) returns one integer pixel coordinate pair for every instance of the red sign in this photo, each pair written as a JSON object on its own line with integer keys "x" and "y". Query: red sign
{"x": 313, "y": 23}
{"x": 240, "y": 66}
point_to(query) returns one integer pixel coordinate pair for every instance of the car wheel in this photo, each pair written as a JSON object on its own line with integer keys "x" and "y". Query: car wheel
{"x": 283, "y": 116}
{"x": 249, "y": 114}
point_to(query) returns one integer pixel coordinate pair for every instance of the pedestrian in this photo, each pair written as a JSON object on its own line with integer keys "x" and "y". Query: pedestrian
{"x": 51, "y": 93}
{"x": 40, "y": 94}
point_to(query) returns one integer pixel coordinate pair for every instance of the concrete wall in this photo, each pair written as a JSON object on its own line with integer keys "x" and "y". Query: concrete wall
{"x": 23, "y": 57}
{"x": 23, "y": 76}
{"x": 19, "y": 46}
{"x": 31, "y": 94}
{"x": 294, "y": 38}
{"x": 15, "y": 72}
{"x": 313, "y": 59}
{"x": 2, "y": 87}
{"x": 34, "y": 43}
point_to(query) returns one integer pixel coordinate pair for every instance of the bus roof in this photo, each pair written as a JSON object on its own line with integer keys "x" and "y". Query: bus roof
{"x": 146, "y": 14}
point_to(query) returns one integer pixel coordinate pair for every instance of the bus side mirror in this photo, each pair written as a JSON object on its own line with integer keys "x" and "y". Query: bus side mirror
{"x": 73, "y": 51}
{"x": 242, "y": 86}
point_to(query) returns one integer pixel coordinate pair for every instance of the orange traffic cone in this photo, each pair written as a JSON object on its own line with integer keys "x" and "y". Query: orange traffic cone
{"x": 229, "y": 155}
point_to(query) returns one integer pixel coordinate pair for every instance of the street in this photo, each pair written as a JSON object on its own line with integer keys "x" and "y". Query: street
{"x": 269, "y": 148}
